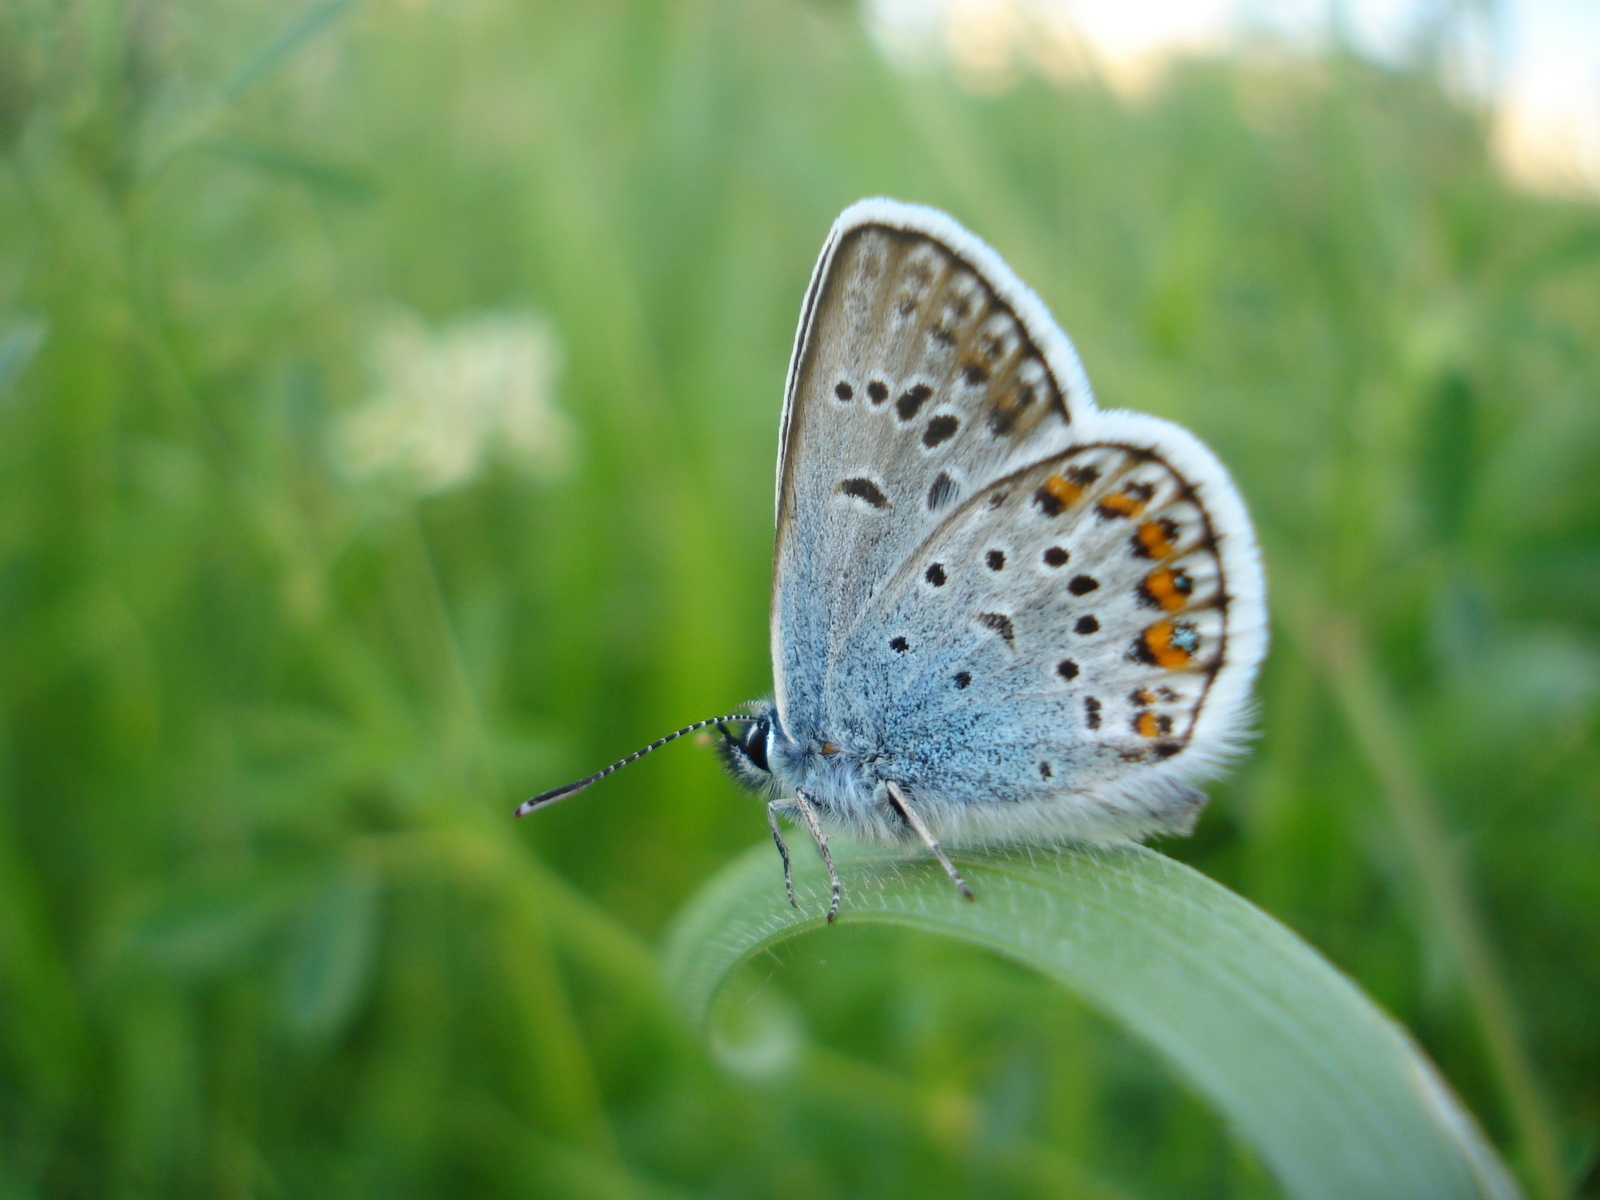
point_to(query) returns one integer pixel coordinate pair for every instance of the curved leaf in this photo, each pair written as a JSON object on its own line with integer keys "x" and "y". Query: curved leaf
{"x": 1331, "y": 1094}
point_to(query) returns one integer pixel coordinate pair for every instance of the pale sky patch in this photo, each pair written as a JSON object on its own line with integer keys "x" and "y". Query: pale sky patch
{"x": 1536, "y": 62}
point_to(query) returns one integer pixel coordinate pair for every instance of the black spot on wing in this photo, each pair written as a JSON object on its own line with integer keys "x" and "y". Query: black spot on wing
{"x": 864, "y": 489}
{"x": 1010, "y": 409}
{"x": 942, "y": 492}
{"x": 940, "y": 429}
{"x": 1000, "y": 623}
{"x": 911, "y": 400}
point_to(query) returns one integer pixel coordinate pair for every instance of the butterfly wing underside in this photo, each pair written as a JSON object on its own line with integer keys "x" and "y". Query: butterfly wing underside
{"x": 912, "y": 385}
{"x": 978, "y": 574}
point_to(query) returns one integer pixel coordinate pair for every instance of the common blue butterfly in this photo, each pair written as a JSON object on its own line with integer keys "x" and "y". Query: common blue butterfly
{"x": 999, "y": 613}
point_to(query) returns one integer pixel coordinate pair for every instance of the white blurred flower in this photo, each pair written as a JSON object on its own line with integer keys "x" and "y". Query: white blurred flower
{"x": 448, "y": 399}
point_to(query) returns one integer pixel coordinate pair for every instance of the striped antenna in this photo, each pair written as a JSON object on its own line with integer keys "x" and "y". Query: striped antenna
{"x": 544, "y": 799}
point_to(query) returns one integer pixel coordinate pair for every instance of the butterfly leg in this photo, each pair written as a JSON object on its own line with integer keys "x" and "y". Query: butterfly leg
{"x": 773, "y": 808}
{"x": 914, "y": 819}
{"x": 808, "y": 813}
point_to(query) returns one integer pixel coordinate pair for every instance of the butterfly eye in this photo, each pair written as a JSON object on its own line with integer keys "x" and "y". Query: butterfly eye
{"x": 756, "y": 743}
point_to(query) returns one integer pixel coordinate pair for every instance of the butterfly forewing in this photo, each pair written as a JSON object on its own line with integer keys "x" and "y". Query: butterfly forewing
{"x": 915, "y": 384}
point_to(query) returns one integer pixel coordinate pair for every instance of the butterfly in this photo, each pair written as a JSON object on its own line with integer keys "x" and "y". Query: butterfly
{"x": 1000, "y": 614}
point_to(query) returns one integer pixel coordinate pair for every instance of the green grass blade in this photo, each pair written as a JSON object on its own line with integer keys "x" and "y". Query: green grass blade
{"x": 299, "y": 33}
{"x": 1329, "y": 1092}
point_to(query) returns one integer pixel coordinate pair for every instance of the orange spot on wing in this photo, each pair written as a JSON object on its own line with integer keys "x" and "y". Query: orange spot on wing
{"x": 1167, "y": 588}
{"x": 1145, "y": 725}
{"x": 1122, "y": 504}
{"x": 1158, "y": 640}
{"x": 829, "y": 748}
{"x": 1063, "y": 490}
{"x": 1156, "y": 538}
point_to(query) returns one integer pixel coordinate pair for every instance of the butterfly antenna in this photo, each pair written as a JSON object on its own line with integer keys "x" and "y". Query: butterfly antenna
{"x": 572, "y": 789}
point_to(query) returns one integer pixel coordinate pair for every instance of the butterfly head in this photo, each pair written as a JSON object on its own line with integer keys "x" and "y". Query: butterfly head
{"x": 748, "y": 747}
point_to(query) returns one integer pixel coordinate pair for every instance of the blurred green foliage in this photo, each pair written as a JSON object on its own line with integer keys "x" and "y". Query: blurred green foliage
{"x": 266, "y": 927}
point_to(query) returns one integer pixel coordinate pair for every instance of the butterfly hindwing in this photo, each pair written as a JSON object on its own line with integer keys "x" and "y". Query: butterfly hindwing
{"x": 1055, "y": 640}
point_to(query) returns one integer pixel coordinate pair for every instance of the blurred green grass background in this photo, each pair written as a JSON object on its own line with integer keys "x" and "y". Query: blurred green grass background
{"x": 266, "y": 926}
